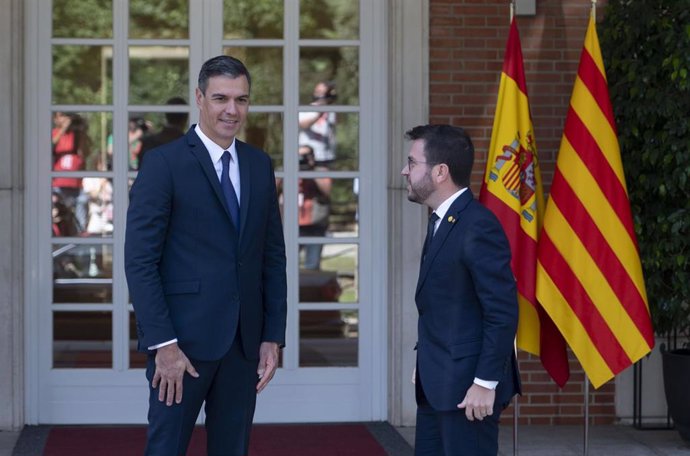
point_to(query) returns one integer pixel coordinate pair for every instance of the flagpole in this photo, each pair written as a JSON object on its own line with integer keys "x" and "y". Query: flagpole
{"x": 516, "y": 406}
{"x": 585, "y": 447}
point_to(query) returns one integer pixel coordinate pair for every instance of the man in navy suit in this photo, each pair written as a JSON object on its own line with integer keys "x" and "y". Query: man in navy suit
{"x": 205, "y": 265}
{"x": 466, "y": 298}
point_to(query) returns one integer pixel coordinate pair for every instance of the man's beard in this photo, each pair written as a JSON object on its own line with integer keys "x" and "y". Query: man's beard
{"x": 421, "y": 191}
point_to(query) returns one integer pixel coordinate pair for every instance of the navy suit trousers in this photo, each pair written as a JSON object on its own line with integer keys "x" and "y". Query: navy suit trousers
{"x": 228, "y": 386}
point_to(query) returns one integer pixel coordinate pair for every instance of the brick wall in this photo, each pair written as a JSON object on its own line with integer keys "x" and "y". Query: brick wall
{"x": 467, "y": 40}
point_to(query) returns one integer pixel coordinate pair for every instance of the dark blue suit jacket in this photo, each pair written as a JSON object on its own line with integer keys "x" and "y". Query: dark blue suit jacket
{"x": 191, "y": 274}
{"x": 467, "y": 303}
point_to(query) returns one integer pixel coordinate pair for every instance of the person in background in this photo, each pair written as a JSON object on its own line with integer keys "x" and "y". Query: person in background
{"x": 205, "y": 265}
{"x": 314, "y": 207}
{"x": 71, "y": 147}
{"x": 466, "y": 297}
{"x": 175, "y": 125}
{"x": 317, "y": 129}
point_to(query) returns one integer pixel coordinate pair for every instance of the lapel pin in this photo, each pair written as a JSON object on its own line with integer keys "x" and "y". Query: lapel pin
{"x": 451, "y": 219}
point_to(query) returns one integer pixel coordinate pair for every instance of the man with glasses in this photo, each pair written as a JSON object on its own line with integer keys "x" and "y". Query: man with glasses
{"x": 466, "y": 297}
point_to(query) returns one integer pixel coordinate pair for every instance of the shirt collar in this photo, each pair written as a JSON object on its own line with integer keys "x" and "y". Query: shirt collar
{"x": 214, "y": 150}
{"x": 444, "y": 206}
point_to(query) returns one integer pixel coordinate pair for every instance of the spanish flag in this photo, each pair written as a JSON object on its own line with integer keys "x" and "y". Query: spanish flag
{"x": 512, "y": 190}
{"x": 589, "y": 275}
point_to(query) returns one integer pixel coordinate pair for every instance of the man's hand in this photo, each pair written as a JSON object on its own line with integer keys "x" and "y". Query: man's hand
{"x": 478, "y": 402}
{"x": 268, "y": 363}
{"x": 171, "y": 364}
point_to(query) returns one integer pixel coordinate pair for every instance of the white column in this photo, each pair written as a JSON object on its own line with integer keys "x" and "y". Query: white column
{"x": 11, "y": 216}
{"x": 408, "y": 89}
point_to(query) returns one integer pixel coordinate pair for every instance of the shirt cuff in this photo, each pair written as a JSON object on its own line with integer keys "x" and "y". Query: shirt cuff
{"x": 489, "y": 384}
{"x": 156, "y": 347}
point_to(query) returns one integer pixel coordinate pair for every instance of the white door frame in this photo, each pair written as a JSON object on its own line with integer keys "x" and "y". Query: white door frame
{"x": 72, "y": 393}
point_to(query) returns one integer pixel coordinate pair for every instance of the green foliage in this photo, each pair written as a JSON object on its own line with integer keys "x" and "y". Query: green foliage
{"x": 646, "y": 47}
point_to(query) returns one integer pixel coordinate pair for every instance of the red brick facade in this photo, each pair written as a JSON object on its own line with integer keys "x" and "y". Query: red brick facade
{"x": 467, "y": 40}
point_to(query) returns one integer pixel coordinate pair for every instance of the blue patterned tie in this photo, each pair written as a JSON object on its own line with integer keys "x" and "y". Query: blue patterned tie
{"x": 229, "y": 190}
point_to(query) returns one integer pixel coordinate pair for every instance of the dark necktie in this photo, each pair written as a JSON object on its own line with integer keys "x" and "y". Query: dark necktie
{"x": 229, "y": 190}
{"x": 429, "y": 233}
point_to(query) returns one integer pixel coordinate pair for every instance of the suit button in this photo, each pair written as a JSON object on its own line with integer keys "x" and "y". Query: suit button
{"x": 241, "y": 264}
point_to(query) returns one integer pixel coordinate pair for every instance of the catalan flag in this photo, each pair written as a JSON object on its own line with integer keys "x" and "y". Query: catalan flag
{"x": 589, "y": 275}
{"x": 512, "y": 190}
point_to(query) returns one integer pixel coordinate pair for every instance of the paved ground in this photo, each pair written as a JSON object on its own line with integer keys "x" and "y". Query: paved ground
{"x": 603, "y": 441}
{"x": 545, "y": 441}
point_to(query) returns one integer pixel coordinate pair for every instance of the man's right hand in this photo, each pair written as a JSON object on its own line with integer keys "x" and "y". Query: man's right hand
{"x": 171, "y": 364}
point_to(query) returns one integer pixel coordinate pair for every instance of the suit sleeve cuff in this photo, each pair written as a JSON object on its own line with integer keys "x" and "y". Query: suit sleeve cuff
{"x": 163, "y": 344}
{"x": 488, "y": 384}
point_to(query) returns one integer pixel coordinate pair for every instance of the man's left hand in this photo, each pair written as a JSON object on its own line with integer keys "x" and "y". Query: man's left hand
{"x": 268, "y": 363}
{"x": 478, "y": 402}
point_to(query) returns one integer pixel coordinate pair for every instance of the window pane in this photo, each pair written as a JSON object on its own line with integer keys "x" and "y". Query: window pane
{"x": 265, "y": 131}
{"x": 328, "y": 272}
{"x": 82, "y": 18}
{"x": 265, "y": 65}
{"x": 162, "y": 19}
{"x": 147, "y": 130}
{"x": 245, "y": 19}
{"x": 82, "y": 273}
{"x": 332, "y": 137}
{"x": 327, "y": 207}
{"x": 82, "y": 74}
{"x": 137, "y": 359}
{"x": 82, "y": 339}
{"x": 157, "y": 74}
{"x": 329, "y": 19}
{"x": 328, "y": 338}
{"x": 338, "y": 65}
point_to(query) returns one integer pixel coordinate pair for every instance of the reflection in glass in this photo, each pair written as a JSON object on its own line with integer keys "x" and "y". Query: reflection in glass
{"x": 328, "y": 338}
{"x": 339, "y": 65}
{"x": 147, "y": 130}
{"x": 157, "y": 73}
{"x": 265, "y": 131}
{"x": 326, "y": 207}
{"x": 329, "y": 19}
{"x": 162, "y": 19}
{"x": 137, "y": 359}
{"x": 82, "y": 339}
{"x": 336, "y": 278}
{"x": 82, "y": 18}
{"x": 82, "y": 74}
{"x": 333, "y": 138}
{"x": 246, "y": 19}
{"x": 80, "y": 142}
{"x": 82, "y": 273}
{"x": 265, "y": 65}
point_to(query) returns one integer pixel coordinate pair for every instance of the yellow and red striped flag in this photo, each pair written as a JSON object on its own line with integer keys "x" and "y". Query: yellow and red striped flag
{"x": 512, "y": 190}
{"x": 589, "y": 275}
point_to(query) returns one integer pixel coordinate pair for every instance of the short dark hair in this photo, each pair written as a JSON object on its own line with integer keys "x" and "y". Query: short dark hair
{"x": 222, "y": 65}
{"x": 449, "y": 145}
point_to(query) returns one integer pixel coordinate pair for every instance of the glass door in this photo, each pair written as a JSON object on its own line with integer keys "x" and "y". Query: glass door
{"x": 121, "y": 77}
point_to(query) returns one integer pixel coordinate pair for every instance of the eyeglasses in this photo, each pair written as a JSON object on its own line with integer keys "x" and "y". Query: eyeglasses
{"x": 411, "y": 162}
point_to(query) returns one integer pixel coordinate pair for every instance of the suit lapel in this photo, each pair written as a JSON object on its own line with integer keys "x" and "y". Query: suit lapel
{"x": 199, "y": 151}
{"x": 444, "y": 229}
